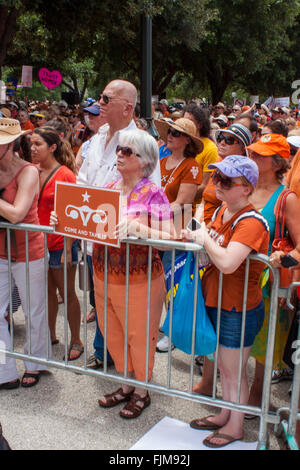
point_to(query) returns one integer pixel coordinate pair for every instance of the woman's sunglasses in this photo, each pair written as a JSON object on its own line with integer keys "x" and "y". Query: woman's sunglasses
{"x": 228, "y": 140}
{"x": 224, "y": 180}
{"x": 126, "y": 151}
{"x": 174, "y": 133}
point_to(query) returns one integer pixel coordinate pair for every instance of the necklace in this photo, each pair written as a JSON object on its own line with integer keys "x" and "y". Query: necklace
{"x": 169, "y": 180}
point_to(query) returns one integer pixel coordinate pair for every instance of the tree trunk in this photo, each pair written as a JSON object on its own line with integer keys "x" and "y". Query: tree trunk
{"x": 218, "y": 81}
{"x": 8, "y": 20}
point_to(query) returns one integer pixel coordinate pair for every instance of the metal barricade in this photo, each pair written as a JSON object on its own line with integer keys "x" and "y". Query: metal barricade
{"x": 288, "y": 426}
{"x": 262, "y": 412}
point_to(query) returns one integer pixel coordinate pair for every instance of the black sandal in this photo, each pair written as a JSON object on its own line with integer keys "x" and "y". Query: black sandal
{"x": 27, "y": 375}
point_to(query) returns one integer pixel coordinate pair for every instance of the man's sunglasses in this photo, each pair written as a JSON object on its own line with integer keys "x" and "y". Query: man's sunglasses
{"x": 174, "y": 133}
{"x": 228, "y": 140}
{"x": 106, "y": 99}
{"x": 126, "y": 151}
{"x": 224, "y": 180}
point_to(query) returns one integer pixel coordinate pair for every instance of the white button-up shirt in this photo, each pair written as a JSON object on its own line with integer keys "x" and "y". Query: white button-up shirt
{"x": 100, "y": 165}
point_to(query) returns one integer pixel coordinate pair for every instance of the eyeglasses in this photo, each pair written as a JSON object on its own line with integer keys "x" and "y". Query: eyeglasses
{"x": 228, "y": 140}
{"x": 225, "y": 182}
{"x": 175, "y": 133}
{"x": 106, "y": 99}
{"x": 126, "y": 151}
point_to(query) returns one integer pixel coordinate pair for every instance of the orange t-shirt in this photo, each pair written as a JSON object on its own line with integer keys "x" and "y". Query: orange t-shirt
{"x": 251, "y": 230}
{"x": 188, "y": 171}
{"x": 293, "y": 176}
{"x": 28, "y": 126}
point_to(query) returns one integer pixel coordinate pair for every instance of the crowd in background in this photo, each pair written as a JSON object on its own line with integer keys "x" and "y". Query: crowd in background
{"x": 223, "y": 161}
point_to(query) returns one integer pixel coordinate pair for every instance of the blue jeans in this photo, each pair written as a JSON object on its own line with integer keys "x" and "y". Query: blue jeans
{"x": 98, "y": 340}
{"x": 231, "y": 325}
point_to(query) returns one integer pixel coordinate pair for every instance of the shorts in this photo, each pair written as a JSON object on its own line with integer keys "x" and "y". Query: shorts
{"x": 55, "y": 257}
{"x": 231, "y": 325}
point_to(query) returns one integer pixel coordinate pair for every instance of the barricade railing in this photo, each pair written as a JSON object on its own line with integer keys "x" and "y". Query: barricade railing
{"x": 263, "y": 411}
{"x": 287, "y": 426}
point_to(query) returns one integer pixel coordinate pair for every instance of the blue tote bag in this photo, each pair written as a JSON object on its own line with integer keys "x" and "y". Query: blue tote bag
{"x": 183, "y": 310}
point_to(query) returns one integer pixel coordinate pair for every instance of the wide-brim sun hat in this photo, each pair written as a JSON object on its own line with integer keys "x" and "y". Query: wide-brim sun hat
{"x": 10, "y": 130}
{"x": 271, "y": 144}
{"x": 186, "y": 126}
{"x": 241, "y": 132}
{"x": 235, "y": 166}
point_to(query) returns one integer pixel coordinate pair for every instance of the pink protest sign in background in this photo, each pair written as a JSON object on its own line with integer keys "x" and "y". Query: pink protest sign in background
{"x": 50, "y": 79}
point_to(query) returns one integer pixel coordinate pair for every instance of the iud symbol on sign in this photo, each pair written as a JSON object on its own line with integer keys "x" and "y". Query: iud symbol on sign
{"x": 99, "y": 217}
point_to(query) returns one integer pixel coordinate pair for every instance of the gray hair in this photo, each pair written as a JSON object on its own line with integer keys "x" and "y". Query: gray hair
{"x": 145, "y": 145}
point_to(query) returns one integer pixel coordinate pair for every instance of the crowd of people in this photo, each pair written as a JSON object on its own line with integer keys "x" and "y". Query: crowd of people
{"x": 230, "y": 166}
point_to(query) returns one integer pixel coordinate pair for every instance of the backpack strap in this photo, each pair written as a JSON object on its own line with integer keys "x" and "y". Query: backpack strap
{"x": 251, "y": 214}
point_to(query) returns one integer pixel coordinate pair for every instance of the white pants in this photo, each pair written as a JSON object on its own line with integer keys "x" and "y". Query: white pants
{"x": 38, "y": 335}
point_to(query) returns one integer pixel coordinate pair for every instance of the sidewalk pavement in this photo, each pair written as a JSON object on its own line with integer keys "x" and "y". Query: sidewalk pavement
{"x": 62, "y": 412}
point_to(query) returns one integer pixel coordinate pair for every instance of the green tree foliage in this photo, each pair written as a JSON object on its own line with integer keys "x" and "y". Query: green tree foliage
{"x": 250, "y": 43}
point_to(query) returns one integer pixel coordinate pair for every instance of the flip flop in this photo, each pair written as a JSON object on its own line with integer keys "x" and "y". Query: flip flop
{"x": 207, "y": 426}
{"x": 27, "y": 375}
{"x": 75, "y": 347}
{"x": 226, "y": 437}
{"x": 10, "y": 385}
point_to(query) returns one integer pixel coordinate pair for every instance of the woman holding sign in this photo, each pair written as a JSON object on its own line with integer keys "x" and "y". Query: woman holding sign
{"x": 144, "y": 205}
{"x": 56, "y": 163}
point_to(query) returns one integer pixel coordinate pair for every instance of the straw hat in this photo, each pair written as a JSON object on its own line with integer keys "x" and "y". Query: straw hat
{"x": 10, "y": 130}
{"x": 186, "y": 126}
{"x": 5, "y": 112}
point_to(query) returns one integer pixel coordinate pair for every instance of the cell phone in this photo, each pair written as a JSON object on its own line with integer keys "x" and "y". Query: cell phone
{"x": 193, "y": 225}
{"x": 288, "y": 261}
{"x": 258, "y": 105}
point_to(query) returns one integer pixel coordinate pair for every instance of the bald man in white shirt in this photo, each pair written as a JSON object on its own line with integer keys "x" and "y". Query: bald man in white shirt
{"x": 117, "y": 104}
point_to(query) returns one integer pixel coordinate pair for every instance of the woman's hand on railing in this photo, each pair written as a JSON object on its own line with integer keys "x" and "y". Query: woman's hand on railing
{"x": 275, "y": 259}
{"x": 197, "y": 236}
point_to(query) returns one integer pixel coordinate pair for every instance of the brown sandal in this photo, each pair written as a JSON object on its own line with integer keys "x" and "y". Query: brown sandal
{"x": 113, "y": 400}
{"x": 134, "y": 408}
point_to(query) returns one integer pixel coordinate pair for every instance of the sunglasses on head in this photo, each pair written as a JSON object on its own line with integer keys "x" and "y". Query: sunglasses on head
{"x": 225, "y": 181}
{"x": 174, "y": 133}
{"x": 126, "y": 151}
{"x": 228, "y": 140}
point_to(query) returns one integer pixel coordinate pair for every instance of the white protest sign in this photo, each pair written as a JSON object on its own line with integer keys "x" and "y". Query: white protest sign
{"x": 283, "y": 102}
{"x": 26, "y": 76}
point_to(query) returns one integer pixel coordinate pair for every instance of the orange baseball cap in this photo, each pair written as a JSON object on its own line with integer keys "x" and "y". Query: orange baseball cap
{"x": 271, "y": 144}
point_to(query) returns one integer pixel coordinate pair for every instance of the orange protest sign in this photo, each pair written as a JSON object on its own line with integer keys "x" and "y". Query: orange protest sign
{"x": 87, "y": 213}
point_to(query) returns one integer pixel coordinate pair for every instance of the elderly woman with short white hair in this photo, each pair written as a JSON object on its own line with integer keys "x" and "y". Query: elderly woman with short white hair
{"x": 143, "y": 205}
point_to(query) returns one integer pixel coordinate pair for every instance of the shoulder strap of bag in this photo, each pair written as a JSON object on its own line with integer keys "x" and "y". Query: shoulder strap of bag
{"x": 47, "y": 180}
{"x": 280, "y": 213}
